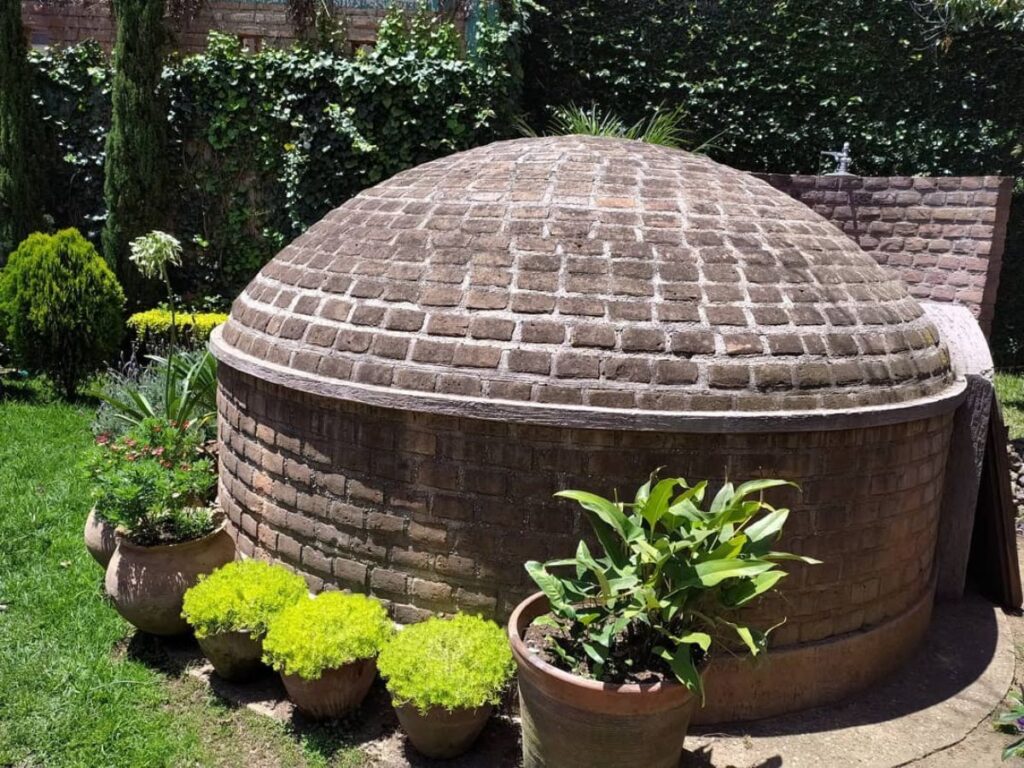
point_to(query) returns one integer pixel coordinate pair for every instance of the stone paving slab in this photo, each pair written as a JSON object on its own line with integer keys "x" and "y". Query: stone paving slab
{"x": 950, "y": 686}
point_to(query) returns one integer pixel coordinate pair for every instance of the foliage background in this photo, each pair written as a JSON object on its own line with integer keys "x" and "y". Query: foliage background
{"x": 264, "y": 144}
{"x": 775, "y": 82}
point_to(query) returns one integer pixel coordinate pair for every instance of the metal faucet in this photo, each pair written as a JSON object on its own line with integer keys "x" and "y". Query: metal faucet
{"x": 842, "y": 159}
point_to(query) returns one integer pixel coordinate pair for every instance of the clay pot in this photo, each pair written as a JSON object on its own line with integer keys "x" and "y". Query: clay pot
{"x": 571, "y": 722}
{"x": 335, "y": 693}
{"x": 100, "y": 538}
{"x": 147, "y": 584}
{"x": 440, "y": 733}
{"x": 236, "y": 656}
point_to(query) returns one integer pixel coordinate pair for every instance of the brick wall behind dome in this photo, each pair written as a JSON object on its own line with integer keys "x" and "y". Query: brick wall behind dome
{"x": 943, "y": 235}
{"x": 435, "y": 513}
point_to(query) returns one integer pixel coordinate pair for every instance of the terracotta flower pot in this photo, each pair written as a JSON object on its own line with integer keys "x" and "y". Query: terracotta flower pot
{"x": 440, "y": 733}
{"x": 571, "y": 722}
{"x": 147, "y": 584}
{"x": 335, "y": 693}
{"x": 100, "y": 538}
{"x": 236, "y": 656}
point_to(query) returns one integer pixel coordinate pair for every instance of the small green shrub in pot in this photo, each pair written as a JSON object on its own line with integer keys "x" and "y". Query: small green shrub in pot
{"x": 325, "y": 648}
{"x": 156, "y": 484}
{"x": 628, "y": 628}
{"x": 60, "y": 308}
{"x": 445, "y": 676}
{"x": 229, "y": 610}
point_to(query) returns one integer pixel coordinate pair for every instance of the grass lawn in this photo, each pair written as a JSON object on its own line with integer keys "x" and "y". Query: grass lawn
{"x": 72, "y": 690}
{"x": 1010, "y": 388}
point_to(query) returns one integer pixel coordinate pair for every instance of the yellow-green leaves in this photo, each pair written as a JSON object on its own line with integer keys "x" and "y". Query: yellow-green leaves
{"x": 451, "y": 663}
{"x": 241, "y": 596}
{"x": 325, "y": 632}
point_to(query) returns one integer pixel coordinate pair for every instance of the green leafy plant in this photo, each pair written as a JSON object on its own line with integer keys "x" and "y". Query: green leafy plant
{"x": 242, "y": 596}
{"x": 325, "y": 632}
{"x": 1011, "y": 720}
{"x": 668, "y": 579}
{"x": 60, "y": 308}
{"x": 156, "y": 482}
{"x": 462, "y": 662}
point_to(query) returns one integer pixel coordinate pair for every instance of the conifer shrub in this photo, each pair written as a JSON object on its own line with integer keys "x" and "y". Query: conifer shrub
{"x": 462, "y": 662}
{"x": 242, "y": 596}
{"x": 60, "y": 308}
{"x": 325, "y": 632}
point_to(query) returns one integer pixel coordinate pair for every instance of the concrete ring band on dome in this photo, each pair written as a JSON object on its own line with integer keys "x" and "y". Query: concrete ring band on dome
{"x": 589, "y": 417}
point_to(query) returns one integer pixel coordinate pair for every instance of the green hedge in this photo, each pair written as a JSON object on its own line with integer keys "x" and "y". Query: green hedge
{"x": 778, "y": 82}
{"x": 781, "y": 81}
{"x": 263, "y": 144}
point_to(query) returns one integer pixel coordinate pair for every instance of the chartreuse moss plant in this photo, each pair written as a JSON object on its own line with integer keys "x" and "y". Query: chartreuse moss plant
{"x": 457, "y": 663}
{"x": 242, "y": 596}
{"x": 325, "y": 632}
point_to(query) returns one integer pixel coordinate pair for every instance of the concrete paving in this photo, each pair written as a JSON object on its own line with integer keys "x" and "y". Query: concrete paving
{"x": 950, "y": 687}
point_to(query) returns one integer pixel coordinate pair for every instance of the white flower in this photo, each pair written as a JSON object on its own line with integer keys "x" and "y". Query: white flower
{"x": 152, "y": 253}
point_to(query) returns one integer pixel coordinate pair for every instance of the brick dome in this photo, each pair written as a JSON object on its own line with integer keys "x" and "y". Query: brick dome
{"x": 584, "y": 281}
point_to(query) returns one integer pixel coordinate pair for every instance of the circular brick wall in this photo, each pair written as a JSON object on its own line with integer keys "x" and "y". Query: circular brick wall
{"x": 404, "y": 388}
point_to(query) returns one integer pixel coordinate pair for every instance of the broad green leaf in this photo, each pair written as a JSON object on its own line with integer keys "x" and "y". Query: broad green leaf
{"x": 657, "y": 502}
{"x": 702, "y": 639}
{"x": 607, "y": 511}
{"x": 552, "y": 588}
{"x": 714, "y": 572}
{"x": 756, "y": 486}
{"x": 721, "y": 500}
{"x": 769, "y": 525}
{"x": 745, "y": 591}
{"x": 682, "y": 667}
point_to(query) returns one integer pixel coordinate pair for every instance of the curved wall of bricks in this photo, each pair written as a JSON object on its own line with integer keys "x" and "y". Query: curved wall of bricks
{"x": 944, "y": 236}
{"x": 437, "y": 513}
{"x": 589, "y": 271}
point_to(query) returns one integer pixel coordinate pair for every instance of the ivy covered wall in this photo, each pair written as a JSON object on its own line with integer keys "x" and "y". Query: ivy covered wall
{"x": 264, "y": 144}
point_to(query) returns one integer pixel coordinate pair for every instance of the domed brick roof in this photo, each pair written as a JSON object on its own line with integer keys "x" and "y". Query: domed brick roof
{"x": 582, "y": 280}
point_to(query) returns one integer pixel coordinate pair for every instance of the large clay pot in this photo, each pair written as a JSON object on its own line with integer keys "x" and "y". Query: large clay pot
{"x": 440, "y": 733}
{"x": 100, "y": 538}
{"x": 235, "y": 656}
{"x": 335, "y": 693}
{"x": 147, "y": 584}
{"x": 571, "y": 722}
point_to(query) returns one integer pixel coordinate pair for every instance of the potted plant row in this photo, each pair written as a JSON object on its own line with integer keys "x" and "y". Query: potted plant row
{"x": 231, "y": 609}
{"x": 611, "y": 651}
{"x": 444, "y": 675}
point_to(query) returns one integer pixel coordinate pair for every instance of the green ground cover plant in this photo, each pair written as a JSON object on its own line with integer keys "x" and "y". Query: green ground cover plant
{"x": 243, "y": 596}
{"x": 324, "y": 632}
{"x": 1010, "y": 389}
{"x": 462, "y": 662}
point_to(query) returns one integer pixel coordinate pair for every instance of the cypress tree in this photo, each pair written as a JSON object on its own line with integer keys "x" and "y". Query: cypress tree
{"x": 20, "y": 213}
{"x": 135, "y": 170}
